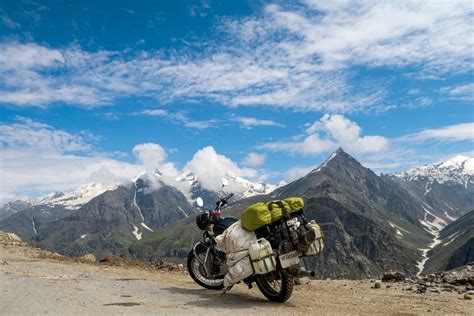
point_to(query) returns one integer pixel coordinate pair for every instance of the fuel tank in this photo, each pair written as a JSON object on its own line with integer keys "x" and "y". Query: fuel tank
{"x": 222, "y": 223}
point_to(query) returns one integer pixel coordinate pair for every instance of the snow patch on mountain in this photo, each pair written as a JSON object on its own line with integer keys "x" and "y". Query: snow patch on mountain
{"x": 136, "y": 233}
{"x": 146, "y": 227}
{"x": 241, "y": 187}
{"x": 451, "y": 238}
{"x": 398, "y": 230}
{"x": 434, "y": 227}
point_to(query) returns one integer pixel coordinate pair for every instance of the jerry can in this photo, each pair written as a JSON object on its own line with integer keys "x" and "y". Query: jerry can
{"x": 262, "y": 256}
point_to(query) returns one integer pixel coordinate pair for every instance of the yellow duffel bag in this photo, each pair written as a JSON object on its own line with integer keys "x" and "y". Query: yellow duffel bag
{"x": 292, "y": 204}
{"x": 295, "y": 203}
{"x": 255, "y": 216}
{"x": 261, "y": 214}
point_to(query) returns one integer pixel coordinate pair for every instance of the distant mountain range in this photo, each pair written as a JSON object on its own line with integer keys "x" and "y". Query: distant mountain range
{"x": 100, "y": 219}
{"x": 372, "y": 223}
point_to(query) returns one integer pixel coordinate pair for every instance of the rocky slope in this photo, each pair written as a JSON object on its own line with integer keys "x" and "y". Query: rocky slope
{"x": 114, "y": 219}
{"x": 446, "y": 188}
{"x": 456, "y": 247}
{"x": 370, "y": 223}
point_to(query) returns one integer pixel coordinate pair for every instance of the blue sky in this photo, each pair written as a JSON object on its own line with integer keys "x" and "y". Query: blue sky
{"x": 266, "y": 89}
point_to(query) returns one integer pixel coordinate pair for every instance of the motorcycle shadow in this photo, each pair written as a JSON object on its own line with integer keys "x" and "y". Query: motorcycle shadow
{"x": 234, "y": 300}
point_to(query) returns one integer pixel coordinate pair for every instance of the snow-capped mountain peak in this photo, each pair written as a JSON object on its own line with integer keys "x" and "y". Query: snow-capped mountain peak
{"x": 461, "y": 163}
{"x": 248, "y": 188}
{"x": 459, "y": 169}
{"x": 189, "y": 177}
{"x": 74, "y": 200}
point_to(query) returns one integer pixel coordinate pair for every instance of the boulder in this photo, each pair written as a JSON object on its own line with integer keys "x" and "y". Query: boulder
{"x": 393, "y": 276}
{"x": 111, "y": 259}
{"x": 88, "y": 258}
{"x": 9, "y": 237}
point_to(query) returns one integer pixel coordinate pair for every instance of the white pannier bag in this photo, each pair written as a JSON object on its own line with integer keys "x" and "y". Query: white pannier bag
{"x": 235, "y": 241}
{"x": 318, "y": 244}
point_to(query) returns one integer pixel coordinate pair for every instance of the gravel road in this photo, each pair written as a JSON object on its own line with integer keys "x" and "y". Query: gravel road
{"x": 34, "y": 284}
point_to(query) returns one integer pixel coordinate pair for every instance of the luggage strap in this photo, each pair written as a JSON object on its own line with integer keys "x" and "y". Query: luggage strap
{"x": 280, "y": 204}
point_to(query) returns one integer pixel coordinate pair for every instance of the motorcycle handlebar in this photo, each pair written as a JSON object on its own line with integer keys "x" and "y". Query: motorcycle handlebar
{"x": 223, "y": 201}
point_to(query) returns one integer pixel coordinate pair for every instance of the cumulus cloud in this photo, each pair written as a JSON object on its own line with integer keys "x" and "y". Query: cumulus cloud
{"x": 154, "y": 158}
{"x": 250, "y": 122}
{"x": 330, "y": 132}
{"x": 210, "y": 167}
{"x": 254, "y": 159}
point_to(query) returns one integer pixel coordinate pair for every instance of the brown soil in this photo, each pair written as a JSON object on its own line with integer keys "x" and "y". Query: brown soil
{"x": 33, "y": 281}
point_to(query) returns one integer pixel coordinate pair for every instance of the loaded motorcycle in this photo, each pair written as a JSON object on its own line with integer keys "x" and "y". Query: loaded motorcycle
{"x": 286, "y": 239}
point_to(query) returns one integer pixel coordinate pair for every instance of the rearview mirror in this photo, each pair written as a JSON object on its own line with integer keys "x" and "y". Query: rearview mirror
{"x": 224, "y": 182}
{"x": 199, "y": 202}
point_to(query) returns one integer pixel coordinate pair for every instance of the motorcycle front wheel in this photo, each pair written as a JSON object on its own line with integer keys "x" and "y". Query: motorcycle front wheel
{"x": 276, "y": 286}
{"x": 199, "y": 275}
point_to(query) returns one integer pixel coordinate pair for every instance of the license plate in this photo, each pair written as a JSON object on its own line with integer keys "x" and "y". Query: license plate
{"x": 289, "y": 259}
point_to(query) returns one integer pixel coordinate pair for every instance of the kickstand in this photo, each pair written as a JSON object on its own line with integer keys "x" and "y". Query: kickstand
{"x": 227, "y": 289}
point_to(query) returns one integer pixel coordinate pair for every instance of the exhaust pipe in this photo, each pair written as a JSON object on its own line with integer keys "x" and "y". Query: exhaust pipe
{"x": 303, "y": 273}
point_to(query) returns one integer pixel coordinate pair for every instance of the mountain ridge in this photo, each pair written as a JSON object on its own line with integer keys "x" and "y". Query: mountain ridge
{"x": 372, "y": 222}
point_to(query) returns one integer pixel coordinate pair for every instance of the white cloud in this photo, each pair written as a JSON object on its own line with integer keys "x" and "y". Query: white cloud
{"x": 463, "y": 92}
{"x": 28, "y": 56}
{"x": 290, "y": 57}
{"x": 425, "y": 146}
{"x": 457, "y": 132}
{"x": 29, "y": 172}
{"x": 254, "y": 159}
{"x": 330, "y": 132}
{"x": 8, "y": 22}
{"x": 155, "y": 112}
{"x": 36, "y": 159}
{"x": 26, "y": 133}
{"x": 297, "y": 172}
{"x": 250, "y": 122}
{"x": 187, "y": 122}
{"x": 154, "y": 159}
{"x": 181, "y": 119}
{"x": 210, "y": 167}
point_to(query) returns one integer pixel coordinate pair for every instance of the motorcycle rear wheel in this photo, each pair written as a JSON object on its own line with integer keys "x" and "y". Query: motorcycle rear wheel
{"x": 198, "y": 273}
{"x": 276, "y": 286}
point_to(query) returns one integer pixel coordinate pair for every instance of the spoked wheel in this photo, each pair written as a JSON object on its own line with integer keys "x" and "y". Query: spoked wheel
{"x": 276, "y": 286}
{"x": 199, "y": 275}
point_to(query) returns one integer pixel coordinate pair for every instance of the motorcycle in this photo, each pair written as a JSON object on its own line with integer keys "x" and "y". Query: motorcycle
{"x": 207, "y": 266}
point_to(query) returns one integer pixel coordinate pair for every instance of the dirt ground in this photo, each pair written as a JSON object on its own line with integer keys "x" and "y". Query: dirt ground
{"x": 38, "y": 282}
